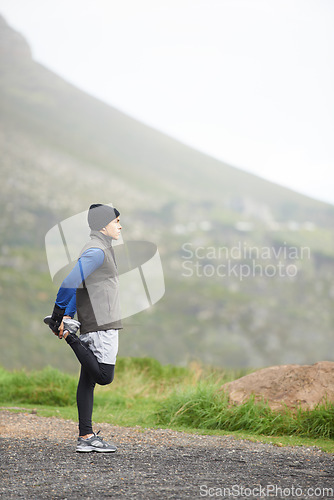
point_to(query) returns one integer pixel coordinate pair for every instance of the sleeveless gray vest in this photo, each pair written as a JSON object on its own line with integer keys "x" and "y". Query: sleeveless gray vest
{"x": 97, "y": 298}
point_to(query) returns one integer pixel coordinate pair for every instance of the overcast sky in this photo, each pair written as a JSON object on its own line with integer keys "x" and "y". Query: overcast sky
{"x": 249, "y": 82}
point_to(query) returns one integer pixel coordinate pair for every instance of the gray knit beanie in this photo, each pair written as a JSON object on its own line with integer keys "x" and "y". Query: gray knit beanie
{"x": 100, "y": 215}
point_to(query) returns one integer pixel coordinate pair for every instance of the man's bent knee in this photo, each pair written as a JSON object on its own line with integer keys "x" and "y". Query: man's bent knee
{"x": 106, "y": 374}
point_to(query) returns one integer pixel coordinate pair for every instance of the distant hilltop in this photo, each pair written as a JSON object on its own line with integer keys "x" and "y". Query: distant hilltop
{"x": 12, "y": 43}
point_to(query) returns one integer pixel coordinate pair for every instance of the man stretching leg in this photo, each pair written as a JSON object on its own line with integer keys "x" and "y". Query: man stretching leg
{"x": 92, "y": 289}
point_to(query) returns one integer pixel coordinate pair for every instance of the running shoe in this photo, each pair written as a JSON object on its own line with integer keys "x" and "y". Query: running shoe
{"x": 70, "y": 325}
{"x": 95, "y": 443}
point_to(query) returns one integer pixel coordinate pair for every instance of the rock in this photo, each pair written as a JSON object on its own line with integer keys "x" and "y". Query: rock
{"x": 293, "y": 386}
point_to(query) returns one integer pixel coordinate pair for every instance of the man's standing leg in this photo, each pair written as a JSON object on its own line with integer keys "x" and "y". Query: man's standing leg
{"x": 85, "y": 400}
{"x": 92, "y": 372}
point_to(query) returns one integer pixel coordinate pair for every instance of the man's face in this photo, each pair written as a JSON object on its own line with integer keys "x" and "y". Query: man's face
{"x": 113, "y": 229}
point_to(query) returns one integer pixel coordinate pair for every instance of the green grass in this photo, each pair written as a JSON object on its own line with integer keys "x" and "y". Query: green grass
{"x": 148, "y": 394}
{"x": 47, "y": 387}
{"x": 206, "y": 407}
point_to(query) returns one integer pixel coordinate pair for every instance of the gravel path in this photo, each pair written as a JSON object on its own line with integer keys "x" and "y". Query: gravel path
{"x": 38, "y": 461}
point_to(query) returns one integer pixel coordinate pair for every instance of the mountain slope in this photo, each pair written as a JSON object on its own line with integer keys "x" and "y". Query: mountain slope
{"x": 63, "y": 150}
{"x": 59, "y": 115}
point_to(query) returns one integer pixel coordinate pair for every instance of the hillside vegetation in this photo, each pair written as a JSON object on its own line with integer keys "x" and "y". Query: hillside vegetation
{"x": 63, "y": 150}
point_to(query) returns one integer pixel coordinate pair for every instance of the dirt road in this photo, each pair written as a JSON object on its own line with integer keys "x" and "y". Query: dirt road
{"x": 38, "y": 461}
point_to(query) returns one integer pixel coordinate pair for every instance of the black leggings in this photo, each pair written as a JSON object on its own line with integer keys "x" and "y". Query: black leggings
{"x": 92, "y": 373}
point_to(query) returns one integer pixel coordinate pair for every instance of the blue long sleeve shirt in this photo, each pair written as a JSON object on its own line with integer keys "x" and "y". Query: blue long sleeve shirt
{"x": 89, "y": 261}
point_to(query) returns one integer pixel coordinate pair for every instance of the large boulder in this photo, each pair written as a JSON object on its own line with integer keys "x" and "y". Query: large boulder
{"x": 293, "y": 386}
